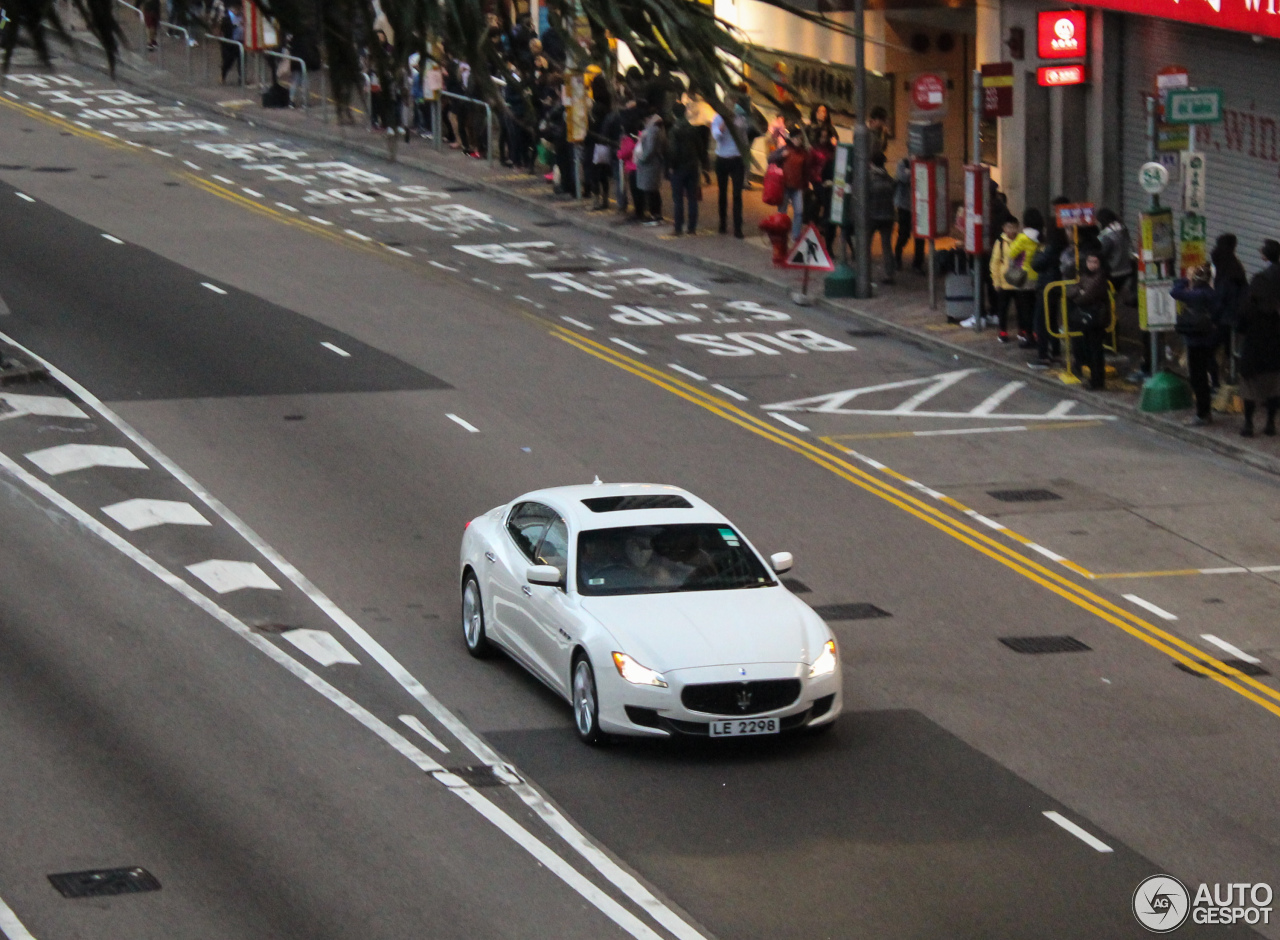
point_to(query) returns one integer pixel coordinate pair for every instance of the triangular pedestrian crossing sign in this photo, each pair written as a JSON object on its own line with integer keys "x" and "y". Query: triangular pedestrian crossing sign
{"x": 809, "y": 252}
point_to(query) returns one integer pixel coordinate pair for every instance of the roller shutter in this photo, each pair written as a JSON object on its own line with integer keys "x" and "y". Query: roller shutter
{"x": 1243, "y": 152}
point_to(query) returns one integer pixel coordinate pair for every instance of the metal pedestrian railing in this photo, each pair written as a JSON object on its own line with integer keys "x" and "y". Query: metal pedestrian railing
{"x": 231, "y": 42}
{"x": 1064, "y": 334}
{"x": 164, "y": 29}
{"x": 306, "y": 85}
{"x": 491, "y": 151}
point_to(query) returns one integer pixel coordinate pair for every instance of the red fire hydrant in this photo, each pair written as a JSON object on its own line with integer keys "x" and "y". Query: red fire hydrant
{"x": 778, "y": 228}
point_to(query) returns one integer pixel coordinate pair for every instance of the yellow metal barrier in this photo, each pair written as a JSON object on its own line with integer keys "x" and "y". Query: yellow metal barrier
{"x": 1064, "y": 335}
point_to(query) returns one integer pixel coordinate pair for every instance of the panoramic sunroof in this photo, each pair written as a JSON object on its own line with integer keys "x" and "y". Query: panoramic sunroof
{"x": 645, "y": 501}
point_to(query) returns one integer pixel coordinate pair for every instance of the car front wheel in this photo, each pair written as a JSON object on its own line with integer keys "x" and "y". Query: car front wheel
{"x": 586, "y": 706}
{"x": 473, "y": 631}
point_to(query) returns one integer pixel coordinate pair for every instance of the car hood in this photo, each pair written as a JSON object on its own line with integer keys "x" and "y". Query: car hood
{"x": 711, "y": 628}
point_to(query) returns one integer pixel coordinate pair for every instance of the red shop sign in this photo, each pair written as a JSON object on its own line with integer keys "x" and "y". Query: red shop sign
{"x": 928, "y": 92}
{"x": 1061, "y": 34}
{"x": 1259, "y": 17}
{"x": 1055, "y": 75}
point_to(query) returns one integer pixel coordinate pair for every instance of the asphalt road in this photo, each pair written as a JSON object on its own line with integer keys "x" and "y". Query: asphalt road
{"x": 262, "y": 337}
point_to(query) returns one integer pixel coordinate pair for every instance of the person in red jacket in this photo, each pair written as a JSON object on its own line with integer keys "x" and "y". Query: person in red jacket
{"x": 794, "y": 158}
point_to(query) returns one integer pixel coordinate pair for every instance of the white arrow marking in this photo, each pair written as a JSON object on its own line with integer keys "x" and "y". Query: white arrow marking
{"x": 320, "y": 646}
{"x": 47, "y": 406}
{"x": 68, "y": 457}
{"x": 997, "y": 398}
{"x": 227, "y": 576}
{"x": 135, "y": 514}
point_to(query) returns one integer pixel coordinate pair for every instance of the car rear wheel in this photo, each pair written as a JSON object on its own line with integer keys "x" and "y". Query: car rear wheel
{"x": 586, "y": 706}
{"x": 473, "y": 632}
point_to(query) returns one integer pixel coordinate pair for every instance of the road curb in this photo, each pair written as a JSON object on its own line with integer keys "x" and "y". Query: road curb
{"x": 863, "y": 318}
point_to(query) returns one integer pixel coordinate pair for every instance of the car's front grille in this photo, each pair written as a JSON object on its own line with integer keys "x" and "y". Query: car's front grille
{"x": 741, "y": 698}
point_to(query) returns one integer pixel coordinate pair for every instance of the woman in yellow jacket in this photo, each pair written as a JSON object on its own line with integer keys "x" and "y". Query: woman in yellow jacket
{"x": 1013, "y": 276}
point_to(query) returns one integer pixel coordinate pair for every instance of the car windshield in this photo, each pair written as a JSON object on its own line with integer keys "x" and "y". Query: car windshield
{"x": 656, "y": 559}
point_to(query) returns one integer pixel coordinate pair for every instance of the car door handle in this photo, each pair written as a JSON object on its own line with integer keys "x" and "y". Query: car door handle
{"x": 528, "y": 591}
{"x": 491, "y": 556}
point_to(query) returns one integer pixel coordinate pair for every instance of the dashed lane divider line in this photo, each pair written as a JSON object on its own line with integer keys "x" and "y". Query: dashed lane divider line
{"x": 1150, "y": 607}
{"x": 462, "y": 422}
{"x": 1084, "y": 836}
{"x": 113, "y": 239}
{"x": 1169, "y": 644}
{"x": 1233, "y": 651}
{"x": 336, "y": 349}
{"x": 577, "y": 840}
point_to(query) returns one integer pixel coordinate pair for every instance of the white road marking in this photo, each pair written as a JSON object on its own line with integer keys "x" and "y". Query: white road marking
{"x": 87, "y": 127}
{"x": 338, "y": 349}
{"x": 354, "y": 234}
{"x": 998, "y": 398}
{"x": 10, "y": 926}
{"x": 413, "y": 722}
{"x": 625, "y": 345}
{"x": 112, "y": 239}
{"x": 135, "y": 514}
{"x": 46, "y": 406}
{"x": 623, "y": 881}
{"x": 989, "y": 523}
{"x": 66, "y": 458}
{"x": 13, "y": 96}
{"x": 226, "y": 576}
{"x": 24, "y": 196}
{"x": 1092, "y": 841}
{"x": 939, "y": 385}
{"x": 108, "y": 134}
{"x": 223, "y": 179}
{"x": 399, "y": 251}
{"x": 688, "y": 372}
{"x": 316, "y": 218}
{"x": 1234, "y": 570}
{"x": 1264, "y": 569}
{"x": 161, "y": 152}
{"x": 466, "y": 424}
{"x": 192, "y": 165}
{"x": 1147, "y": 605}
{"x": 1053, "y": 556}
{"x": 320, "y": 646}
{"x": 35, "y": 105}
{"x": 1060, "y": 409}
{"x": 285, "y": 206}
{"x": 213, "y": 287}
{"x": 730, "y": 392}
{"x": 578, "y": 323}
{"x": 134, "y": 143}
{"x": 440, "y": 264}
{"x": 252, "y": 192}
{"x": 789, "y": 422}
{"x": 1233, "y": 651}
{"x": 928, "y": 491}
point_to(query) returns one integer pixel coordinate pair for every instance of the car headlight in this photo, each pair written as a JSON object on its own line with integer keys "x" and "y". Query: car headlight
{"x": 825, "y": 664}
{"x": 633, "y": 672}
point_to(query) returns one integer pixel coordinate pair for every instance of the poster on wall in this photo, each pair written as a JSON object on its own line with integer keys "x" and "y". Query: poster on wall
{"x": 811, "y": 81}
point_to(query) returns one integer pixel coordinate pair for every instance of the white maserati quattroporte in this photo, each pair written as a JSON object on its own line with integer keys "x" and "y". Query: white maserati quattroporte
{"x": 649, "y": 612}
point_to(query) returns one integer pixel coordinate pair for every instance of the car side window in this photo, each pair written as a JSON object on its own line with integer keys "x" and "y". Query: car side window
{"x": 527, "y": 524}
{"x": 554, "y": 549}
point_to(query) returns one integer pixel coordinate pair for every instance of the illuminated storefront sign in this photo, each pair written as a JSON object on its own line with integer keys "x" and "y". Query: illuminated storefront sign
{"x": 1258, "y": 17}
{"x": 1054, "y": 75}
{"x": 1060, "y": 34}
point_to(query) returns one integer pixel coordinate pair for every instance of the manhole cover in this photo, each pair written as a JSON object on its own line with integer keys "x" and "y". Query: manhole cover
{"x": 104, "y": 882}
{"x": 1044, "y": 644}
{"x": 1023, "y": 496}
{"x": 796, "y": 586}
{"x": 850, "y": 612}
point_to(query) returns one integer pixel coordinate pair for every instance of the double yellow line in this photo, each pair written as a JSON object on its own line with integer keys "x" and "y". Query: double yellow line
{"x": 1172, "y": 646}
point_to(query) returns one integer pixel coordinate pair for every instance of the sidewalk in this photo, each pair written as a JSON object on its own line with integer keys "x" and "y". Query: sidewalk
{"x": 902, "y": 309}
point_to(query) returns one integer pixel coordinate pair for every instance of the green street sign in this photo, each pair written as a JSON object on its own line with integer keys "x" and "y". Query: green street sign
{"x": 1194, "y": 106}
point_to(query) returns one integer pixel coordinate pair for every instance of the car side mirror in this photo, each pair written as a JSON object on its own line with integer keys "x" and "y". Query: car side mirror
{"x": 544, "y": 574}
{"x": 781, "y": 561}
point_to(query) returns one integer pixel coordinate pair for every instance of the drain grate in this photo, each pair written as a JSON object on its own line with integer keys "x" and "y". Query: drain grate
{"x": 460, "y": 189}
{"x": 1239, "y": 665}
{"x": 796, "y": 586}
{"x": 850, "y": 612}
{"x": 104, "y": 882}
{"x": 728, "y": 279}
{"x": 53, "y": 169}
{"x": 551, "y": 223}
{"x": 1045, "y": 644}
{"x": 865, "y": 334}
{"x": 1023, "y": 496}
{"x": 481, "y": 775}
